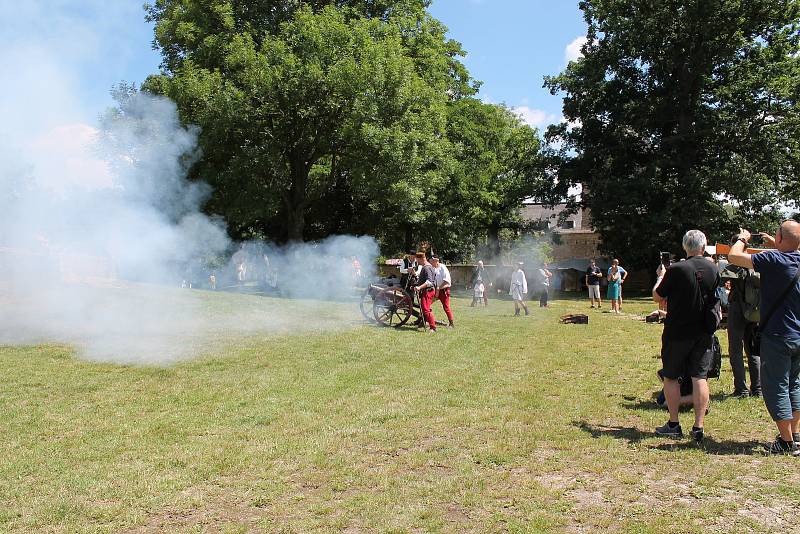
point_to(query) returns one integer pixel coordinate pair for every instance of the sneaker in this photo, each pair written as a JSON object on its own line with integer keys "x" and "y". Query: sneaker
{"x": 781, "y": 447}
{"x": 743, "y": 394}
{"x": 669, "y": 432}
{"x": 795, "y": 437}
{"x": 697, "y": 435}
{"x": 756, "y": 393}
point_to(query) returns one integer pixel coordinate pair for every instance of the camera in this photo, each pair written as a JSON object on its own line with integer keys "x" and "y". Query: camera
{"x": 666, "y": 259}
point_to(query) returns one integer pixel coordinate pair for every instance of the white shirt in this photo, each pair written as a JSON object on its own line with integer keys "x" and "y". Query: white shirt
{"x": 411, "y": 267}
{"x": 443, "y": 276}
{"x": 518, "y": 280}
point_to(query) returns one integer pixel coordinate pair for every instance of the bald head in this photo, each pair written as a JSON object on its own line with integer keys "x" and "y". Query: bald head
{"x": 788, "y": 236}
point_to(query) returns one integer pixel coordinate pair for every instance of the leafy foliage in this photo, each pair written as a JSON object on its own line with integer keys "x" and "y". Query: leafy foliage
{"x": 683, "y": 113}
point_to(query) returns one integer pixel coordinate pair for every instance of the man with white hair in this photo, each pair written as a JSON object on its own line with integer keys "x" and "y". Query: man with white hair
{"x": 779, "y": 327}
{"x": 689, "y": 288}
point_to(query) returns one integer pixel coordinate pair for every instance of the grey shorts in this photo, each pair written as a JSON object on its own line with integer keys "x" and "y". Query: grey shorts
{"x": 594, "y": 291}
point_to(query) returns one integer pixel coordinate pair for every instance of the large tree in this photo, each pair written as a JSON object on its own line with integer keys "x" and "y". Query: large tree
{"x": 498, "y": 163}
{"x": 302, "y": 102}
{"x": 682, "y": 113}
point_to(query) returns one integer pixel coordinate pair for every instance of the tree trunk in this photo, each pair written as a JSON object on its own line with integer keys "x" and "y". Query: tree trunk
{"x": 493, "y": 244}
{"x": 296, "y": 201}
{"x": 408, "y": 238}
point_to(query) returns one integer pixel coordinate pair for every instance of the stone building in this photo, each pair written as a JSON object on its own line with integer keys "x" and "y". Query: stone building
{"x": 575, "y": 243}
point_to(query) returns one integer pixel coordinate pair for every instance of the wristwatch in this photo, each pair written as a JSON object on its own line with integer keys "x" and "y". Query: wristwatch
{"x": 743, "y": 240}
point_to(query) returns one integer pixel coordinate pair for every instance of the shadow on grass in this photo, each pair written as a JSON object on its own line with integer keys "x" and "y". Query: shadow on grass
{"x": 629, "y": 434}
{"x": 634, "y": 436}
{"x": 717, "y": 448}
{"x": 632, "y": 403}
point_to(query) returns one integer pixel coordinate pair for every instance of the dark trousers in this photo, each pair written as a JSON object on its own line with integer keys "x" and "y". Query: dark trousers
{"x": 740, "y": 334}
{"x": 543, "y": 296}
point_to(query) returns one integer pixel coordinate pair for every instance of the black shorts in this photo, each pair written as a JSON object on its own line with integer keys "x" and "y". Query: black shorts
{"x": 681, "y": 357}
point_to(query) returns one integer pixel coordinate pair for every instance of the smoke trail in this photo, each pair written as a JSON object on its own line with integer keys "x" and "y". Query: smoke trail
{"x": 99, "y": 227}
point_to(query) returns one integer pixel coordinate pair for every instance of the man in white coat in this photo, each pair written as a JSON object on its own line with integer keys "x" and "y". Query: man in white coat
{"x": 518, "y": 289}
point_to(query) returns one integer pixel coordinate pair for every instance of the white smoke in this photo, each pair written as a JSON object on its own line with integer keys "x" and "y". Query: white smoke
{"x": 99, "y": 228}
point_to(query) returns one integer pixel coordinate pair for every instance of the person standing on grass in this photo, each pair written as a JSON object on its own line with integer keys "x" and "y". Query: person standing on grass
{"x": 425, "y": 288}
{"x": 614, "y": 287}
{"x": 623, "y": 275}
{"x": 518, "y": 289}
{"x": 443, "y": 284}
{"x": 544, "y": 285}
{"x": 686, "y": 344}
{"x": 479, "y": 285}
{"x": 593, "y": 276}
{"x": 780, "y": 328}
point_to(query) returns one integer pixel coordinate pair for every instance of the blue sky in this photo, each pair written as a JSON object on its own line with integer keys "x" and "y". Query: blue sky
{"x": 93, "y": 44}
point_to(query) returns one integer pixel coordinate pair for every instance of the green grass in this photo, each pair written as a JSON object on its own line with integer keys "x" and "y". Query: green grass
{"x": 502, "y": 425}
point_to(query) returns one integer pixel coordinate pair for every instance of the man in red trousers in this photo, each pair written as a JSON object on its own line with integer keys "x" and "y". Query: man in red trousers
{"x": 425, "y": 288}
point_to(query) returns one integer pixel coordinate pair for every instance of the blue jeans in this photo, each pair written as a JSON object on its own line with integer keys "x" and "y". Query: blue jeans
{"x": 780, "y": 375}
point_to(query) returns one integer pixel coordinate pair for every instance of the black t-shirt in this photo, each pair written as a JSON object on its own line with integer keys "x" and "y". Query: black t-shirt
{"x": 427, "y": 274}
{"x": 594, "y": 280}
{"x": 685, "y": 318}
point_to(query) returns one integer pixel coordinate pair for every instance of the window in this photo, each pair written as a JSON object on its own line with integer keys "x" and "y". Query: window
{"x": 568, "y": 225}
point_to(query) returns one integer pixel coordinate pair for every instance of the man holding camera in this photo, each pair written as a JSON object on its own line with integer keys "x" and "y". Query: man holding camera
{"x": 689, "y": 288}
{"x": 779, "y": 328}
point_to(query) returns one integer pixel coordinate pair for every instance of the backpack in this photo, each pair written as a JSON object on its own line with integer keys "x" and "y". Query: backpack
{"x": 716, "y": 362}
{"x": 752, "y": 296}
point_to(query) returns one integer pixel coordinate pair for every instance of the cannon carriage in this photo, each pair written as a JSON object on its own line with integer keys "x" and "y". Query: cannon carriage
{"x": 387, "y": 303}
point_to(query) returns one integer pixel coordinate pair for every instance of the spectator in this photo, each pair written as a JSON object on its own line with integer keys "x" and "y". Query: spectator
{"x": 623, "y": 275}
{"x": 518, "y": 289}
{"x": 479, "y": 285}
{"x": 593, "y": 276}
{"x": 212, "y": 281}
{"x": 740, "y": 333}
{"x": 686, "y": 344}
{"x": 780, "y": 328}
{"x": 614, "y": 286}
{"x": 443, "y": 284}
{"x": 544, "y": 285}
{"x": 425, "y": 287}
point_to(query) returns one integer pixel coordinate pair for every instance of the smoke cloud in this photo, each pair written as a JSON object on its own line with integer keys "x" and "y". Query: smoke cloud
{"x": 99, "y": 231}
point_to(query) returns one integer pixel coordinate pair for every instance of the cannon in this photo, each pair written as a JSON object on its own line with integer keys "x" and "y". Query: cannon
{"x": 386, "y": 303}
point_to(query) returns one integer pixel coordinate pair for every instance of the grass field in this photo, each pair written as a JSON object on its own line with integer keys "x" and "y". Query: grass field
{"x": 502, "y": 425}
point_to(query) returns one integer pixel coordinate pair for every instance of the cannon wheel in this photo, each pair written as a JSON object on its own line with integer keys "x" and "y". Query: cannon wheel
{"x": 392, "y": 307}
{"x": 367, "y": 301}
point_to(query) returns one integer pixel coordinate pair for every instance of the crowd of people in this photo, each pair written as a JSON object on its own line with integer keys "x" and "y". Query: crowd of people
{"x": 690, "y": 290}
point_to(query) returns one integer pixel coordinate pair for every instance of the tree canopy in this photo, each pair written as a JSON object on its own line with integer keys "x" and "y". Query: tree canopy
{"x": 681, "y": 114}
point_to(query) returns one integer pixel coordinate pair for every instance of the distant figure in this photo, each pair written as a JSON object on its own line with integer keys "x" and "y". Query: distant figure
{"x": 212, "y": 281}
{"x": 518, "y": 289}
{"x": 241, "y": 271}
{"x": 479, "y": 286}
{"x": 356, "y": 269}
{"x": 443, "y": 284}
{"x": 593, "y": 277}
{"x": 544, "y": 285}
{"x": 614, "y": 285}
{"x": 623, "y": 275}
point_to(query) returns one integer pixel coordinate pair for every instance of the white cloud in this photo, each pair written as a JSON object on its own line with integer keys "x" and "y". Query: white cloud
{"x": 536, "y": 117}
{"x": 573, "y": 50}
